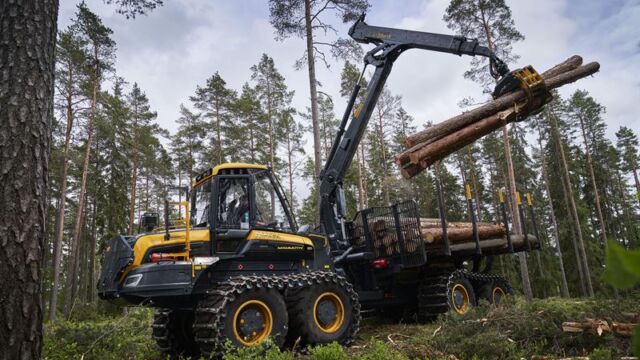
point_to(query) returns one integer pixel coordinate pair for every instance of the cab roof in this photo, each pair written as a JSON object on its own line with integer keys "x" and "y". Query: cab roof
{"x": 216, "y": 169}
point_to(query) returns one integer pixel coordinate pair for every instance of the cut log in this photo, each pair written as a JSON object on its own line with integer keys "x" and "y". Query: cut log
{"x": 454, "y": 235}
{"x": 461, "y": 138}
{"x": 497, "y": 245}
{"x": 428, "y": 154}
{"x": 598, "y": 327}
{"x": 558, "y": 79}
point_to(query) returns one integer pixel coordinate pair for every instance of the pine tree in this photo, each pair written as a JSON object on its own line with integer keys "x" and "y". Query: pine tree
{"x": 490, "y": 22}
{"x": 70, "y": 76}
{"x": 141, "y": 117}
{"x": 250, "y": 134}
{"x": 581, "y": 257}
{"x": 293, "y": 143}
{"x": 627, "y": 143}
{"x": 100, "y": 55}
{"x": 302, "y": 18}
{"x": 275, "y": 98}
{"x": 215, "y": 101}
{"x": 188, "y": 144}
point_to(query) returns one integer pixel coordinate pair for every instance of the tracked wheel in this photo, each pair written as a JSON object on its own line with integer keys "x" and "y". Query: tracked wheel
{"x": 173, "y": 334}
{"x": 461, "y": 295}
{"x": 440, "y": 293}
{"x": 325, "y": 310}
{"x": 244, "y": 312}
{"x": 499, "y": 292}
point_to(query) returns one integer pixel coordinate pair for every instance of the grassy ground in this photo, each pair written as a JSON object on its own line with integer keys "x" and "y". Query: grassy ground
{"x": 523, "y": 330}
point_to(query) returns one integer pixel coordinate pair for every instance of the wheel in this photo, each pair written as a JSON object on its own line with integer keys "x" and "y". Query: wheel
{"x": 322, "y": 313}
{"x": 498, "y": 293}
{"x": 461, "y": 295}
{"x": 244, "y": 314}
{"x": 173, "y": 334}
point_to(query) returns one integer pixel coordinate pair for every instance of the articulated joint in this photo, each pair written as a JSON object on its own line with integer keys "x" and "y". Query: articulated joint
{"x": 381, "y": 53}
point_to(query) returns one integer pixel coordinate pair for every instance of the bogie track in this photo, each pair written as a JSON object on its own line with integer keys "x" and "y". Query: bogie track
{"x": 220, "y": 315}
{"x": 457, "y": 291}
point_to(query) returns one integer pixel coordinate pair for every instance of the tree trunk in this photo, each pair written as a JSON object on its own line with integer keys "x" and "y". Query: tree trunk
{"x": 72, "y": 268}
{"x": 515, "y": 215}
{"x": 27, "y": 48}
{"x": 554, "y": 223}
{"x": 57, "y": 243}
{"x": 311, "y": 64}
{"x": 134, "y": 183}
{"x": 572, "y": 203}
{"x": 637, "y": 182}
{"x": 91, "y": 285}
{"x": 596, "y": 193}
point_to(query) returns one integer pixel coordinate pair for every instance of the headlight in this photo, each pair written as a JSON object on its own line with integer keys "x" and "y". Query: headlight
{"x": 133, "y": 280}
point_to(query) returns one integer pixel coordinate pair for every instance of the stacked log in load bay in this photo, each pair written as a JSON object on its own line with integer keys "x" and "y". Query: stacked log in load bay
{"x": 492, "y": 237}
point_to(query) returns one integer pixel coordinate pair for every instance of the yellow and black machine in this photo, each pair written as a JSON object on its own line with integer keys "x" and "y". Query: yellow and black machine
{"x": 239, "y": 268}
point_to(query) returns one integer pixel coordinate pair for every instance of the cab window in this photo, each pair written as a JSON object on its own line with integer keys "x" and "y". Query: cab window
{"x": 200, "y": 199}
{"x": 233, "y": 203}
{"x": 270, "y": 212}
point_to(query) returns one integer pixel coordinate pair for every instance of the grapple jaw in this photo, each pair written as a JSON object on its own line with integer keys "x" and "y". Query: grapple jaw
{"x": 532, "y": 83}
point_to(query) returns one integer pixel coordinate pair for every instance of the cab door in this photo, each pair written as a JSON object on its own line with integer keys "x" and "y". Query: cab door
{"x": 232, "y": 213}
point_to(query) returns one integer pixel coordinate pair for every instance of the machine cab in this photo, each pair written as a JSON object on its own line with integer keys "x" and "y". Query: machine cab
{"x": 236, "y": 201}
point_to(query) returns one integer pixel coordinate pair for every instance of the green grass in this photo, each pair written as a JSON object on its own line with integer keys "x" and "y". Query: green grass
{"x": 519, "y": 331}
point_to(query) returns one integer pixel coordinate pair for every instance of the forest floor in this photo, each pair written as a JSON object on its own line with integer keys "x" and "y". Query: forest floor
{"x": 521, "y": 331}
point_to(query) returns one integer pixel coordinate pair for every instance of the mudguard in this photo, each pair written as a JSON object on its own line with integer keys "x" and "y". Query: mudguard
{"x": 118, "y": 255}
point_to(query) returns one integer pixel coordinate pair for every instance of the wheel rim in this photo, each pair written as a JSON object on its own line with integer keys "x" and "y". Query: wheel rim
{"x": 328, "y": 312}
{"x": 460, "y": 299}
{"x": 497, "y": 295}
{"x": 252, "y": 322}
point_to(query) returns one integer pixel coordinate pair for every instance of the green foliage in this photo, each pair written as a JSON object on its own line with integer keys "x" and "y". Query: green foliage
{"x": 267, "y": 351}
{"x": 623, "y": 272}
{"x": 331, "y": 351}
{"x": 623, "y": 266}
{"x": 105, "y": 339}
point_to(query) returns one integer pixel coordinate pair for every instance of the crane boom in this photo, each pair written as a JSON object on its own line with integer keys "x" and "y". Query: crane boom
{"x": 390, "y": 43}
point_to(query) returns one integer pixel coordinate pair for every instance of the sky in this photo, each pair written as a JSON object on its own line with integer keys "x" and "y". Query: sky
{"x": 178, "y": 46}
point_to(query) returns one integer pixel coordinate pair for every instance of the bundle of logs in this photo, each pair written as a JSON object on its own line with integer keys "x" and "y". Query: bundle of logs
{"x": 440, "y": 140}
{"x": 460, "y": 235}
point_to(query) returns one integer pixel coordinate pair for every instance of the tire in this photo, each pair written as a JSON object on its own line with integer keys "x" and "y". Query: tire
{"x": 497, "y": 293}
{"x": 242, "y": 315}
{"x": 461, "y": 297}
{"x": 173, "y": 334}
{"x": 322, "y": 313}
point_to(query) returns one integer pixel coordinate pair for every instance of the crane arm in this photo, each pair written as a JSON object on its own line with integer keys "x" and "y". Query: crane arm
{"x": 390, "y": 43}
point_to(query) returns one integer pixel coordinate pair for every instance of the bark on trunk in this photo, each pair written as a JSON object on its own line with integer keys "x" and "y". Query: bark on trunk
{"x": 311, "y": 65}
{"x": 572, "y": 203}
{"x": 27, "y": 48}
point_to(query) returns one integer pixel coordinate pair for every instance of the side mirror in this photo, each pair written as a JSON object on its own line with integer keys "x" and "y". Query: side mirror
{"x": 304, "y": 230}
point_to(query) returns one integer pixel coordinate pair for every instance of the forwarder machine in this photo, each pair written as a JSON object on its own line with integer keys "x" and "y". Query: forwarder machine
{"x": 239, "y": 270}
